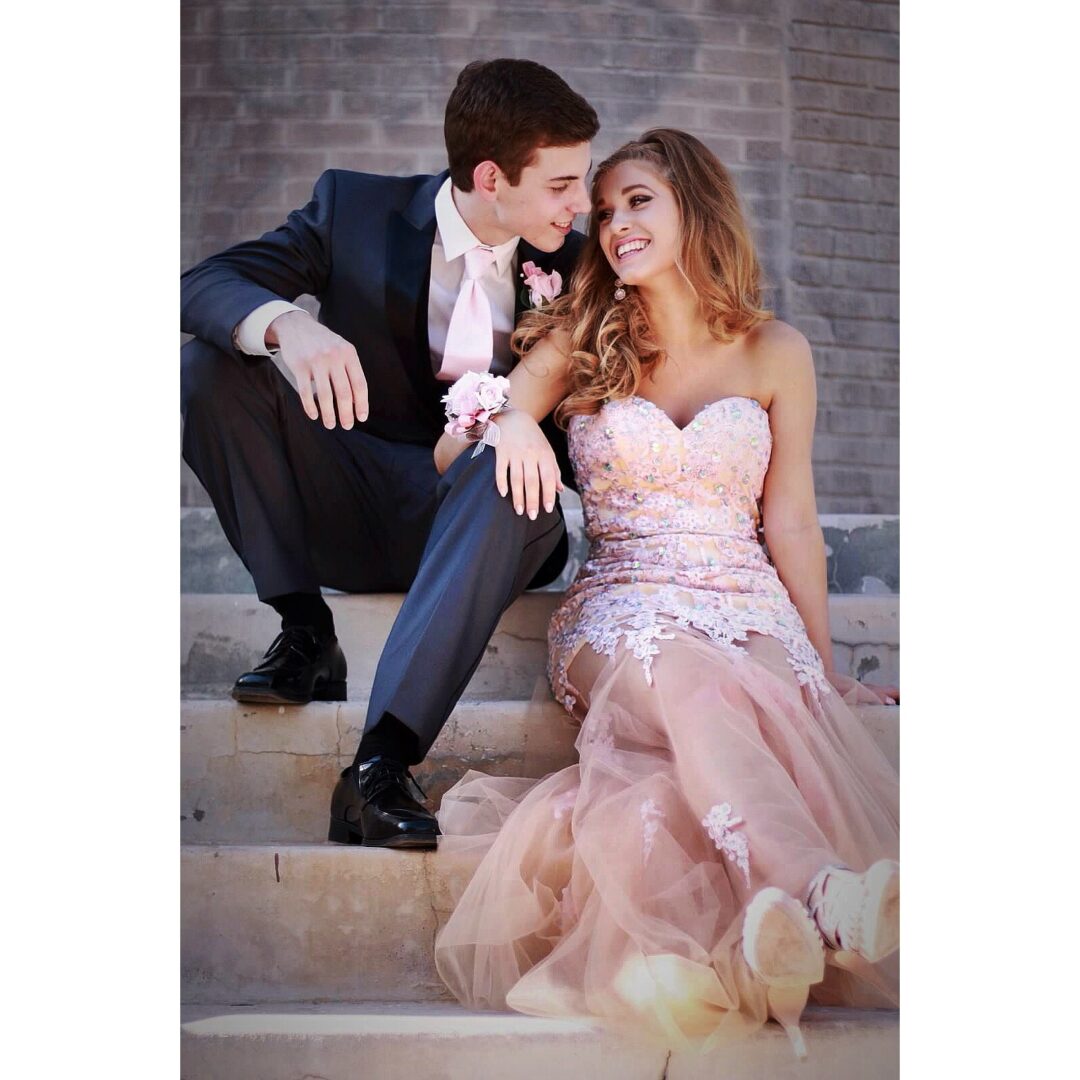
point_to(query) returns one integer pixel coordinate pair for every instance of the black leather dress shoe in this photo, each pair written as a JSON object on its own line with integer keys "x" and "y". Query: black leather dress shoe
{"x": 296, "y": 669}
{"x": 375, "y": 807}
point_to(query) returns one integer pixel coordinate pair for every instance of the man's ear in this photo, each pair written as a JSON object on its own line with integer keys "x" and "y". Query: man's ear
{"x": 485, "y": 179}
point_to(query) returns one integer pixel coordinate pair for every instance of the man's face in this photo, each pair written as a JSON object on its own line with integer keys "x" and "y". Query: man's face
{"x": 540, "y": 208}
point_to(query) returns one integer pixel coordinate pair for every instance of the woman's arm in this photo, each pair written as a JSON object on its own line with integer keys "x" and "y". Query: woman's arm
{"x": 447, "y": 450}
{"x": 524, "y": 461}
{"x": 792, "y": 531}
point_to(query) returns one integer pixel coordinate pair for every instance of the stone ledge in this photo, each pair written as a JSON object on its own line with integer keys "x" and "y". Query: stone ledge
{"x": 223, "y": 635}
{"x": 863, "y": 553}
{"x": 278, "y": 923}
{"x": 307, "y": 922}
{"x": 436, "y": 1039}
{"x": 260, "y": 774}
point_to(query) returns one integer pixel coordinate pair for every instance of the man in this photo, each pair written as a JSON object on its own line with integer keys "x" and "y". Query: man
{"x": 334, "y": 483}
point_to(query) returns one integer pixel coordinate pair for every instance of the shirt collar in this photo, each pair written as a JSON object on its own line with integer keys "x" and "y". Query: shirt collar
{"x": 457, "y": 237}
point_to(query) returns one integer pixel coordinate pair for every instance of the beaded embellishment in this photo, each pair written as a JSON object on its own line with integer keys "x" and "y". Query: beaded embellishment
{"x": 672, "y": 518}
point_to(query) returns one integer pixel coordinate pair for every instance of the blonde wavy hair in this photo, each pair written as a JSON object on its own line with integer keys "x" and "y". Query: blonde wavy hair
{"x": 612, "y": 348}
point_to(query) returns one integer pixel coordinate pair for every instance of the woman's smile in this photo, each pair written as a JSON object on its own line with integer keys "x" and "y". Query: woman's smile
{"x": 627, "y": 249}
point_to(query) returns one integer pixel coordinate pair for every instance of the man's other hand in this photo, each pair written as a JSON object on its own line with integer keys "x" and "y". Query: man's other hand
{"x": 325, "y": 366}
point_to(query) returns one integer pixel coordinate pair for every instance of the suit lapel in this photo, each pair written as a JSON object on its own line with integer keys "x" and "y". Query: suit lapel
{"x": 410, "y": 236}
{"x": 525, "y": 253}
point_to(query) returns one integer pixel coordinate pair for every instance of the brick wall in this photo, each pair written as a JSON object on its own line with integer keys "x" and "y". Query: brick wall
{"x": 797, "y": 97}
{"x": 842, "y": 274}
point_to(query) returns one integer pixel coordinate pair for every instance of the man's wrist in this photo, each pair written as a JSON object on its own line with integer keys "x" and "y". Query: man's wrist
{"x": 249, "y": 335}
{"x": 283, "y": 321}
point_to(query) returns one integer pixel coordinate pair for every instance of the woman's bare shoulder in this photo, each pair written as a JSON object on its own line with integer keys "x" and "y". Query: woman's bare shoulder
{"x": 782, "y": 352}
{"x": 777, "y": 338}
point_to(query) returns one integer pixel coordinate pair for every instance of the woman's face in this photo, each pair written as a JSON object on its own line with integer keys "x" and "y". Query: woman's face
{"x": 639, "y": 222}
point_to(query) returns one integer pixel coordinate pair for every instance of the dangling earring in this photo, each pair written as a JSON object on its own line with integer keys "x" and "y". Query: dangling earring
{"x": 620, "y": 290}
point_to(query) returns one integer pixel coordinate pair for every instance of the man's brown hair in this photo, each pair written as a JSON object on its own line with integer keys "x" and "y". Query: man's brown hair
{"x": 506, "y": 110}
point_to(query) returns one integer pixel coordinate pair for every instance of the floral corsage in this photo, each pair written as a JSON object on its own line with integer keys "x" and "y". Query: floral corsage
{"x": 540, "y": 288}
{"x": 471, "y": 403}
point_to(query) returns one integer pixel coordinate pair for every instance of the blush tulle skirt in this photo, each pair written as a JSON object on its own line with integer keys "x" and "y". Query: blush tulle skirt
{"x": 616, "y": 888}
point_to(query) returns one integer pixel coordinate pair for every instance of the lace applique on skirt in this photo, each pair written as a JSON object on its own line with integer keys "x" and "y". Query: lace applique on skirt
{"x": 720, "y": 824}
{"x": 641, "y": 619}
{"x": 651, "y": 816}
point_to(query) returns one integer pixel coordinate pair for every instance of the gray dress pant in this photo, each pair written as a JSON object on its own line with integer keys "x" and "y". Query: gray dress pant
{"x": 306, "y": 507}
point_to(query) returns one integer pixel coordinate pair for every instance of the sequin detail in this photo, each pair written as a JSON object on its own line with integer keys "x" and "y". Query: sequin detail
{"x": 672, "y": 518}
{"x": 720, "y": 824}
{"x": 597, "y": 734}
{"x": 564, "y": 803}
{"x": 651, "y": 816}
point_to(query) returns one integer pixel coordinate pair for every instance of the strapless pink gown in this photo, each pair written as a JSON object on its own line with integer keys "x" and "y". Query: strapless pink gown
{"x": 715, "y": 758}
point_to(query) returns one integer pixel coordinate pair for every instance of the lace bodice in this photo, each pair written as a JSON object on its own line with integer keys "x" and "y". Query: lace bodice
{"x": 642, "y": 476}
{"x": 672, "y": 516}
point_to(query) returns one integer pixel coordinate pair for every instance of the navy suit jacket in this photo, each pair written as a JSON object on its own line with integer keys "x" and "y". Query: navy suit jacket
{"x": 362, "y": 247}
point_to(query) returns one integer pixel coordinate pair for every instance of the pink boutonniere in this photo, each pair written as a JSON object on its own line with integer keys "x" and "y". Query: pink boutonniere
{"x": 540, "y": 288}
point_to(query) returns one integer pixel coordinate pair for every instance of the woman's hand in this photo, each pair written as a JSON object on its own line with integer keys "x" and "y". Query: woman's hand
{"x": 859, "y": 693}
{"x": 524, "y": 460}
{"x": 887, "y": 695}
{"x": 525, "y": 464}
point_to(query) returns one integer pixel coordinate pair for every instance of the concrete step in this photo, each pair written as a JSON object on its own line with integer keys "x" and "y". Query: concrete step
{"x": 314, "y": 922}
{"x": 222, "y": 635}
{"x": 393, "y": 1041}
{"x": 260, "y": 773}
{"x": 863, "y": 552}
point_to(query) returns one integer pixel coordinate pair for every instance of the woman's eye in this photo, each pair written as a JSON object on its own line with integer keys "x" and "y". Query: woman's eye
{"x": 637, "y": 200}
{"x": 603, "y": 215}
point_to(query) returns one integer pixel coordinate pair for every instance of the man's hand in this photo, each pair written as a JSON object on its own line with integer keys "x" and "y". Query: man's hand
{"x": 525, "y": 463}
{"x": 317, "y": 355}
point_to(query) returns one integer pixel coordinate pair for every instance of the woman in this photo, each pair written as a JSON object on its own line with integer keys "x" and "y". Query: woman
{"x": 730, "y": 827}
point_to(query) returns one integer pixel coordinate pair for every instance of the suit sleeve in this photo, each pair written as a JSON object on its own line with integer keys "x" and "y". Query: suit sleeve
{"x": 295, "y": 258}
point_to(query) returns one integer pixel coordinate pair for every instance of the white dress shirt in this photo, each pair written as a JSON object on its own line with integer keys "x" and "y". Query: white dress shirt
{"x": 452, "y": 239}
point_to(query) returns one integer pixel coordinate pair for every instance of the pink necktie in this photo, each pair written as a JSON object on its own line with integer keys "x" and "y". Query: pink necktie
{"x": 468, "y": 337}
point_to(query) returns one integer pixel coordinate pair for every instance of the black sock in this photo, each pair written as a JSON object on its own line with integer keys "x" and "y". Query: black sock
{"x": 304, "y": 609}
{"x": 391, "y": 738}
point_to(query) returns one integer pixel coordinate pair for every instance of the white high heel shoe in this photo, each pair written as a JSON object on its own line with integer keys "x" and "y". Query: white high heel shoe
{"x": 782, "y": 947}
{"x": 858, "y": 913}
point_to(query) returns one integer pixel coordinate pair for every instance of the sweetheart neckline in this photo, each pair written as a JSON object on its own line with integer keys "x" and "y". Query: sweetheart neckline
{"x": 701, "y": 411}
